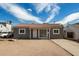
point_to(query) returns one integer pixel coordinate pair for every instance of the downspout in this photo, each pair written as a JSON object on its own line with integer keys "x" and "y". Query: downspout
{"x": 49, "y": 33}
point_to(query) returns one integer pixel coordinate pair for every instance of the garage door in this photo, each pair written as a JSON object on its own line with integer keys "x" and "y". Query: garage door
{"x": 70, "y": 35}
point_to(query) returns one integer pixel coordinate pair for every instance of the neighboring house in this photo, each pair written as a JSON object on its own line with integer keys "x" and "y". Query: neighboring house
{"x": 72, "y": 32}
{"x": 40, "y": 31}
{"x": 5, "y": 27}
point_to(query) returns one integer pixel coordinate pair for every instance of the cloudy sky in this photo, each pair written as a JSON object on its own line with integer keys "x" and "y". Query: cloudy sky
{"x": 62, "y": 13}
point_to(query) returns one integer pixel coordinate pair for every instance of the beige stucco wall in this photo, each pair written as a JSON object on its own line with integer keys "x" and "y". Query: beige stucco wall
{"x": 73, "y": 29}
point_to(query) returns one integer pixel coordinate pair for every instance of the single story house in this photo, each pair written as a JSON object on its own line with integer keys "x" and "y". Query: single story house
{"x": 38, "y": 31}
{"x": 72, "y": 32}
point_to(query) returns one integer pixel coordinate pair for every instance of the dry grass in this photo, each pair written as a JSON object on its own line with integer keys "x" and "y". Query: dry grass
{"x": 31, "y": 48}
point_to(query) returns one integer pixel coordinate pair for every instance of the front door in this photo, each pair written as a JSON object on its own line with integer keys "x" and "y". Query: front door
{"x": 43, "y": 33}
{"x": 34, "y": 33}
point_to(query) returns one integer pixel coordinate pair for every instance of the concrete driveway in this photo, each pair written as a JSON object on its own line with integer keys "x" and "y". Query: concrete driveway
{"x": 31, "y": 48}
{"x": 70, "y": 46}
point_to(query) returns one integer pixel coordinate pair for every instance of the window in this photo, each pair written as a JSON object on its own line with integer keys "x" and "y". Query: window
{"x": 21, "y": 31}
{"x": 56, "y": 31}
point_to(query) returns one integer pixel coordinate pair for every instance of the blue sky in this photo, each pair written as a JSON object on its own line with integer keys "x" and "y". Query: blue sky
{"x": 39, "y": 13}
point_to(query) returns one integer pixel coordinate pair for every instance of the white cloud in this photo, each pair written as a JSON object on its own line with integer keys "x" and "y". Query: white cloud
{"x": 69, "y": 18}
{"x": 40, "y": 6}
{"x": 54, "y": 11}
{"x": 22, "y": 14}
{"x": 51, "y": 8}
{"x": 29, "y": 9}
{"x": 19, "y": 12}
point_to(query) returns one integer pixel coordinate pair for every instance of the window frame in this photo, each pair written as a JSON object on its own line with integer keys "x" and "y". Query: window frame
{"x": 58, "y": 31}
{"x": 22, "y": 29}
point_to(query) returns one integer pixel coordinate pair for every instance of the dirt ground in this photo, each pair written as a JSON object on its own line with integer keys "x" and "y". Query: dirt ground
{"x": 31, "y": 48}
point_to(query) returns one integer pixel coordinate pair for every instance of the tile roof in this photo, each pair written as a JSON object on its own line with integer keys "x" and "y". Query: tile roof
{"x": 39, "y": 26}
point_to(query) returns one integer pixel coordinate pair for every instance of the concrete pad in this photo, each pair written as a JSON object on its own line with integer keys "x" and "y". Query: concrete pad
{"x": 70, "y": 46}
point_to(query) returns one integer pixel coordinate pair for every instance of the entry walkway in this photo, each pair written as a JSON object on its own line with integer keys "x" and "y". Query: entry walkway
{"x": 70, "y": 46}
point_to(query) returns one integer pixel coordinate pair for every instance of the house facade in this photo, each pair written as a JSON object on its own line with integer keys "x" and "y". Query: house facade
{"x": 5, "y": 28}
{"x": 72, "y": 32}
{"x": 38, "y": 31}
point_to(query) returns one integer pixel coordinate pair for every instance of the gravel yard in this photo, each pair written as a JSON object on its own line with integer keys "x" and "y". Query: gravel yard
{"x": 31, "y": 48}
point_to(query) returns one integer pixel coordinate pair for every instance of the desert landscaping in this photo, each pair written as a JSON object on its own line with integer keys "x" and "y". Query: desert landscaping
{"x": 31, "y": 48}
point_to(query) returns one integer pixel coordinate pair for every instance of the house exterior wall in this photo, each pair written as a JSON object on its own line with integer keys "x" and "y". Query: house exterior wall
{"x": 76, "y": 34}
{"x": 27, "y": 34}
{"x": 21, "y": 36}
{"x": 74, "y": 30}
{"x": 56, "y": 36}
{"x": 5, "y": 28}
{"x": 9, "y": 27}
{"x": 68, "y": 29}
